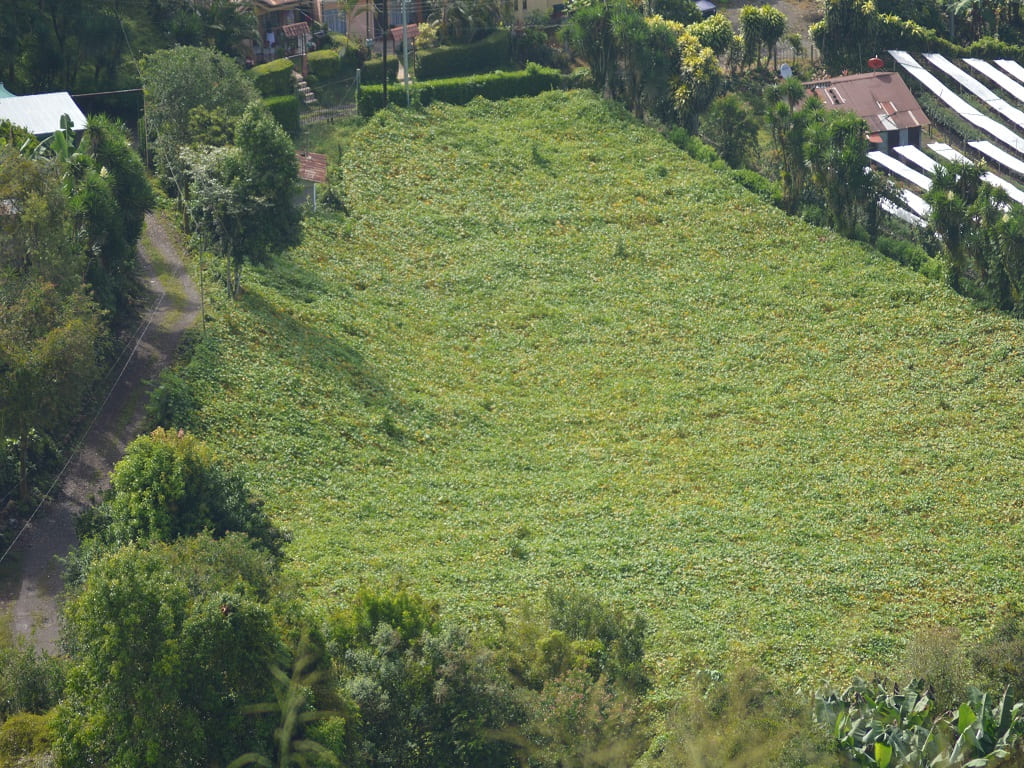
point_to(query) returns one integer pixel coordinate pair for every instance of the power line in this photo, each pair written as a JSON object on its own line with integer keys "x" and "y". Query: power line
{"x": 78, "y": 445}
{"x": 106, "y": 93}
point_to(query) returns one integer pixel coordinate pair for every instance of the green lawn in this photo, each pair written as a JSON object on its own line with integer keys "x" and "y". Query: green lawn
{"x": 549, "y": 348}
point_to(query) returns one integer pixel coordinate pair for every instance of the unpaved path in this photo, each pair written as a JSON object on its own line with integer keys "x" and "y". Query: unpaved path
{"x": 30, "y": 595}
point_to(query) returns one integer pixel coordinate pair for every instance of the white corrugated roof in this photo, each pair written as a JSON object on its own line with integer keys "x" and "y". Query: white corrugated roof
{"x": 40, "y": 114}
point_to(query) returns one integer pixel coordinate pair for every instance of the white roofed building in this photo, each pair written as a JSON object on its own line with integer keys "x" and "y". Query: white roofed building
{"x": 40, "y": 113}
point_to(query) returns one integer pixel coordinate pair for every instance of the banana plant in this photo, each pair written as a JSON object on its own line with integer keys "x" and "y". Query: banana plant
{"x": 884, "y": 728}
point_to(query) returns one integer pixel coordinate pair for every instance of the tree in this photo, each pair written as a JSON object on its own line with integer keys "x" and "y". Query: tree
{"x": 427, "y": 695}
{"x": 580, "y": 672}
{"x": 836, "y": 149}
{"x": 847, "y": 34}
{"x": 170, "y": 485}
{"x": 178, "y": 80}
{"x": 589, "y": 33}
{"x": 699, "y": 79}
{"x": 50, "y": 329}
{"x": 169, "y": 644}
{"x": 714, "y": 32}
{"x": 788, "y": 127}
{"x": 979, "y": 229}
{"x": 647, "y": 57}
{"x": 762, "y": 27}
{"x": 773, "y": 27}
{"x": 271, "y": 174}
{"x": 731, "y": 128}
{"x": 241, "y": 197}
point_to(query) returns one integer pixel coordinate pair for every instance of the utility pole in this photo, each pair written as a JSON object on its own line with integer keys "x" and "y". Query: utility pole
{"x": 387, "y": 30}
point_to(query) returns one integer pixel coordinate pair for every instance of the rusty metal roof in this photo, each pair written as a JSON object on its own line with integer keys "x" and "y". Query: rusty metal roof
{"x": 882, "y": 99}
{"x": 298, "y": 29}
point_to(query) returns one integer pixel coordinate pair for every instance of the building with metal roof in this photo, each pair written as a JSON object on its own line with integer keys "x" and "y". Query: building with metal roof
{"x": 884, "y": 102}
{"x": 40, "y": 113}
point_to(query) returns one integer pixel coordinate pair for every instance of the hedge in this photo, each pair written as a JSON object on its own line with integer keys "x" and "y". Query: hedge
{"x": 461, "y": 90}
{"x": 285, "y": 110}
{"x": 491, "y": 53}
{"x": 373, "y": 70}
{"x": 329, "y": 65}
{"x": 273, "y": 78}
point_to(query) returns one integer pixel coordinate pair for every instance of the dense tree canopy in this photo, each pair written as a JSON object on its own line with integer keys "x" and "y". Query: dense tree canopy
{"x": 51, "y": 331}
{"x": 168, "y": 486}
{"x": 170, "y": 643}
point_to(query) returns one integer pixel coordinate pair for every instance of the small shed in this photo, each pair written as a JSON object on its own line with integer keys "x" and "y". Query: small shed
{"x": 312, "y": 171}
{"x": 706, "y": 8}
{"x": 40, "y": 113}
{"x": 884, "y": 102}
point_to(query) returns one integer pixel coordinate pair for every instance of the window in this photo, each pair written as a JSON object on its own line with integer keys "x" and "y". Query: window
{"x": 335, "y": 20}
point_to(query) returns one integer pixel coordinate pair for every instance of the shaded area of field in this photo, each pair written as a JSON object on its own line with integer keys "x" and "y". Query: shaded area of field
{"x": 548, "y": 348}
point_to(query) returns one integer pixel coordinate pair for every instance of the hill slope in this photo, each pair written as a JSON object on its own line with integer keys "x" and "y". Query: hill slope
{"x": 548, "y": 348}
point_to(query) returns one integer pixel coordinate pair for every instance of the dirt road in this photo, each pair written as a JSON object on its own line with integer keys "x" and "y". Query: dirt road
{"x": 30, "y": 595}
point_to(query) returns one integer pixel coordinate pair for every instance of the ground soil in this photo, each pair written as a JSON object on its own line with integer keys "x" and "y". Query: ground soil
{"x": 30, "y": 588}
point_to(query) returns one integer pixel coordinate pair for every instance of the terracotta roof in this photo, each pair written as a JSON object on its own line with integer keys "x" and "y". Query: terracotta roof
{"x": 298, "y": 29}
{"x": 312, "y": 167}
{"x": 881, "y": 98}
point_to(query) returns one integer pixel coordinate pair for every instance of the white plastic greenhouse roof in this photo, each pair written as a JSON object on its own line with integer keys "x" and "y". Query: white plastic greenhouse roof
{"x": 900, "y": 169}
{"x": 917, "y": 157}
{"x": 1004, "y": 81}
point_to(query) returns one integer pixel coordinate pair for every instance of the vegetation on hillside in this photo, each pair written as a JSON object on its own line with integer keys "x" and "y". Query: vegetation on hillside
{"x": 570, "y": 352}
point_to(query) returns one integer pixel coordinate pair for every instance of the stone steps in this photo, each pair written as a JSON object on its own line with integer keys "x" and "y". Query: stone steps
{"x": 303, "y": 89}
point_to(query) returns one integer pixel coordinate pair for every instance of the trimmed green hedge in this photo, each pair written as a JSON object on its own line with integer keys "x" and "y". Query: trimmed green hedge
{"x": 373, "y": 70}
{"x": 285, "y": 110}
{"x": 274, "y": 78}
{"x": 461, "y": 90}
{"x": 329, "y": 65}
{"x": 493, "y": 52}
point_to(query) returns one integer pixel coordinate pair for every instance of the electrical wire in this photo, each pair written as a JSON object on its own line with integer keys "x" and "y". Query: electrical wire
{"x": 142, "y": 328}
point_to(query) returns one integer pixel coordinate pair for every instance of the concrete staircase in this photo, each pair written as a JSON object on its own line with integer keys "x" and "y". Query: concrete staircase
{"x": 303, "y": 89}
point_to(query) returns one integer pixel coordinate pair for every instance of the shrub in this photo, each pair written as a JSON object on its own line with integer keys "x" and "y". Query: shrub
{"x": 496, "y": 86}
{"x": 373, "y": 71}
{"x": 937, "y": 656}
{"x": 903, "y": 251}
{"x": 25, "y": 734}
{"x": 273, "y": 78}
{"x": 29, "y": 681}
{"x": 741, "y": 719}
{"x": 581, "y": 78}
{"x": 169, "y": 485}
{"x": 767, "y": 190}
{"x": 461, "y": 90}
{"x": 285, "y": 110}
{"x": 172, "y": 402}
{"x": 693, "y": 146}
{"x": 330, "y": 65}
{"x": 493, "y": 52}
{"x": 999, "y": 656}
